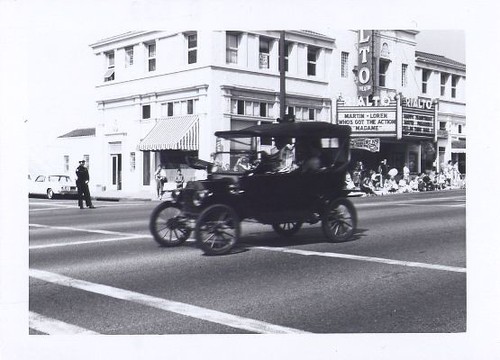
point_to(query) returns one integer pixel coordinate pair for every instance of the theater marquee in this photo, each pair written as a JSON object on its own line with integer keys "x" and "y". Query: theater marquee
{"x": 384, "y": 117}
{"x": 369, "y": 120}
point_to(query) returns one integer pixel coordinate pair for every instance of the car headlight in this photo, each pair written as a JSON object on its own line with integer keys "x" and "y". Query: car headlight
{"x": 199, "y": 196}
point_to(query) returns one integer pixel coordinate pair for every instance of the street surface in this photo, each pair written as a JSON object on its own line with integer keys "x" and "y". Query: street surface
{"x": 98, "y": 271}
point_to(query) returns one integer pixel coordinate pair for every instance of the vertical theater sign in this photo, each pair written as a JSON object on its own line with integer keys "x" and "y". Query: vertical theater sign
{"x": 365, "y": 57}
{"x": 384, "y": 122}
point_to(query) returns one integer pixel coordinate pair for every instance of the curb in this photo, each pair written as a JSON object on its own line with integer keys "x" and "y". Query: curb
{"x": 112, "y": 198}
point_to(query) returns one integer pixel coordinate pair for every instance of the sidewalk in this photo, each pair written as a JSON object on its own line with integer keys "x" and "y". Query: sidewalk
{"x": 145, "y": 195}
{"x": 120, "y": 195}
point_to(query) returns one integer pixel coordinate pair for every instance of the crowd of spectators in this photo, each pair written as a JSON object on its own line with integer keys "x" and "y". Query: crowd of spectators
{"x": 385, "y": 180}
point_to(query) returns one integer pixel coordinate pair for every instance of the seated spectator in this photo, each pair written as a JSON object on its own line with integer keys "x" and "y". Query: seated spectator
{"x": 403, "y": 186}
{"x": 391, "y": 185}
{"x": 349, "y": 184}
{"x": 367, "y": 185}
{"x": 413, "y": 185}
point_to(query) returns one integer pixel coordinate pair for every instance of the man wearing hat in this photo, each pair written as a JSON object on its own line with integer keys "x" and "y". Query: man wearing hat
{"x": 82, "y": 183}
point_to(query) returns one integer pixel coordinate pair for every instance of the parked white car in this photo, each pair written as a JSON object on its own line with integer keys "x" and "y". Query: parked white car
{"x": 50, "y": 185}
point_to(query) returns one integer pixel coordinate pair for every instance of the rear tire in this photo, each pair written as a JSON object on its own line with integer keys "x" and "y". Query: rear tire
{"x": 287, "y": 228}
{"x": 217, "y": 230}
{"x": 50, "y": 194}
{"x": 168, "y": 226}
{"x": 339, "y": 220}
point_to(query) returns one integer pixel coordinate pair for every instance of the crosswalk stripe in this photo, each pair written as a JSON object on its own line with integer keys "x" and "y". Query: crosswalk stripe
{"x": 55, "y": 327}
{"x": 197, "y": 312}
{"x": 364, "y": 258}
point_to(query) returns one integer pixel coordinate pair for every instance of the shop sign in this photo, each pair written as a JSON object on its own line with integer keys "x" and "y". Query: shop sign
{"x": 364, "y": 76}
{"x": 370, "y": 144}
{"x": 369, "y": 120}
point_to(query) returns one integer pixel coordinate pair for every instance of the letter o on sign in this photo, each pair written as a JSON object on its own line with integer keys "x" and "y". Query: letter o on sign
{"x": 364, "y": 75}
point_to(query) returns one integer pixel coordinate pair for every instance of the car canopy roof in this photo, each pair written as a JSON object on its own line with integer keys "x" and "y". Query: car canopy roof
{"x": 313, "y": 129}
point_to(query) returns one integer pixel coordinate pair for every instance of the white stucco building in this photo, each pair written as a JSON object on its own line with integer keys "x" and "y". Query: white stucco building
{"x": 161, "y": 95}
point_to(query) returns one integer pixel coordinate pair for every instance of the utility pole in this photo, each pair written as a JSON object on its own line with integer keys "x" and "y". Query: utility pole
{"x": 282, "y": 76}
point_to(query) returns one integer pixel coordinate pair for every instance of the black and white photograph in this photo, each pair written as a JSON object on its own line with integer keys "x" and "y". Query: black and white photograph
{"x": 217, "y": 180}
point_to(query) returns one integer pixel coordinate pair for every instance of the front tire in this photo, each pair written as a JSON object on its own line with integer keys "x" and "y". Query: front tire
{"x": 50, "y": 194}
{"x": 287, "y": 228}
{"x": 339, "y": 220}
{"x": 217, "y": 230}
{"x": 168, "y": 226}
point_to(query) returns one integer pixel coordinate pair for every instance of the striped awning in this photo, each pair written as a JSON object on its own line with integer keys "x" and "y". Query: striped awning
{"x": 172, "y": 133}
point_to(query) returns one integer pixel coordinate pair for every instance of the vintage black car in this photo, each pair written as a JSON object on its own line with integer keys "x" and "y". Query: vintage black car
{"x": 281, "y": 174}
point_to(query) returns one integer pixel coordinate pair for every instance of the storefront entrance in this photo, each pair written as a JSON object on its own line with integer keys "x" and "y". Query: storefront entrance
{"x": 116, "y": 171}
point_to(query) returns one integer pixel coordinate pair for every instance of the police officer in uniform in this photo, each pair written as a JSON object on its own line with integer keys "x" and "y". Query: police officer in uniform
{"x": 82, "y": 183}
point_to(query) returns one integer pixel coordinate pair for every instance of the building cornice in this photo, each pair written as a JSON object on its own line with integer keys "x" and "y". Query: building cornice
{"x": 153, "y": 94}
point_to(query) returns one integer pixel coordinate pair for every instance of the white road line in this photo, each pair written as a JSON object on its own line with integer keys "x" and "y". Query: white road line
{"x": 106, "y": 232}
{"x": 396, "y": 202}
{"x": 55, "y": 327}
{"x": 365, "y": 258}
{"x": 47, "y": 209}
{"x": 443, "y": 205}
{"x": 197, "y": 312}
{"x": 74, "y": 243}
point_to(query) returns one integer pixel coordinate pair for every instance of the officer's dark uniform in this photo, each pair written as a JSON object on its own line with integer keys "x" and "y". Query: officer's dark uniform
{"x": 82, "y": 179}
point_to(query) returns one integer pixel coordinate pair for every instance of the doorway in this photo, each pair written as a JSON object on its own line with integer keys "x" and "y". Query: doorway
{"x": 116, "y": 171}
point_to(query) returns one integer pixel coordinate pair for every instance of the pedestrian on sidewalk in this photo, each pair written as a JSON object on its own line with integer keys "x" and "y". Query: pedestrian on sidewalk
{"x": 179, "y": 179}
{"x": 82, "y": 184}
{"x": 161, "y": 179}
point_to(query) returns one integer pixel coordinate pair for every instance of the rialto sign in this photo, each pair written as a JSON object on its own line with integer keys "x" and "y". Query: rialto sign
{"x": 364, "y": 76}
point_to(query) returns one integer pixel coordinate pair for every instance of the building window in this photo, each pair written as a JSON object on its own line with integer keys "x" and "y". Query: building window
{"x": 132, "y": 161}
{"x": 129, "y": 56}
{"x": 232, "y": 40}
{"x": 146, "y": 111}
{"x": 151, "y": 57}
{"x": 110, "y": 72}
{"x": 190, "y": 107}
{"x": 263, "y": 109}
{"x": 240, "y": 107}
{"x": 312, "y": 57}
{"x": 454, "y": 82}
{"x": 442, "y": 125}
{"x": 170, "y": 109}
{"x": 383, "y": 66}
{"x": 110, "y": 57}
{"x": 312, "y": 114}
{"x": 459, "y": 129}
{"x": 192, "y": 43}
{"x": 66, "y": 163}
{"x": 344, "y": 64}
{"x": 251, "y": 108}
{"x": 287, "y": 54}
{"x": 425, "y": 79}
{"x": 264, "y": 48}
{"x": 444, "y": 79}
{"x": 404, "y": 75}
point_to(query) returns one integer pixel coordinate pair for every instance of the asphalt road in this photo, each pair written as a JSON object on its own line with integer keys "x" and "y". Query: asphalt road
{"x": 99, "y": 271}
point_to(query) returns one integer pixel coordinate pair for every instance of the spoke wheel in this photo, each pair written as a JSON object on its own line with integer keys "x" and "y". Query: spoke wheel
{"x": 168, "y": 226}
{"x": 339, "y": 221}
{"x": 50, "y": 194}
{"x": 287, "y": 228}
{"x": 217, "y": 230}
